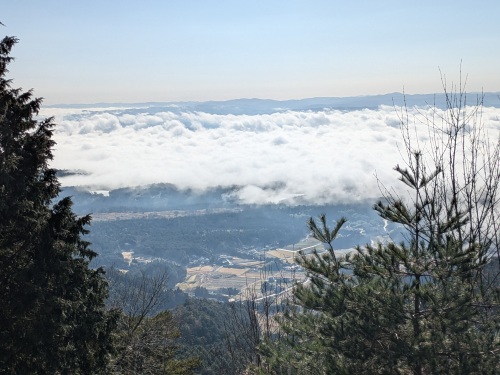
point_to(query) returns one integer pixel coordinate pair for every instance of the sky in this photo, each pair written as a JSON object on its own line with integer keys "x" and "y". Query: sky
{"x": 76, "y": 52}
{"x": 197, "y": 50}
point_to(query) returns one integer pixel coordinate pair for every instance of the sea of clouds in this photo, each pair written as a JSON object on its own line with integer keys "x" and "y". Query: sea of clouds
{"x": 324, "y": 156}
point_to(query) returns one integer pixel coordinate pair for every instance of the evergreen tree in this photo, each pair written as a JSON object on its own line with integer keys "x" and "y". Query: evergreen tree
{"x": 53, "y": 318}
{"x": 429, "y": 304}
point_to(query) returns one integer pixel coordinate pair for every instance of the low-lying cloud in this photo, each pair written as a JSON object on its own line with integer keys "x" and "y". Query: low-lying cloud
{"x": 322, "y": 156}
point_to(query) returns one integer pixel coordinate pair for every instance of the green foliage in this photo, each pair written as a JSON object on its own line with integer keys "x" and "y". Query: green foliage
{"x": 427, "y": 305}
{"x": 52, "y": 316}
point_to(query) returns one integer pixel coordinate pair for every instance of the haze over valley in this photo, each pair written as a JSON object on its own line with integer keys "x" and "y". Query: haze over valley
{"x": 185, "y": 184}
{"x": 315, "y": 151}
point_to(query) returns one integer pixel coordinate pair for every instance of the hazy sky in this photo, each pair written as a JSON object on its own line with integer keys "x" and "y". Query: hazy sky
{"x": 134, "y": 51}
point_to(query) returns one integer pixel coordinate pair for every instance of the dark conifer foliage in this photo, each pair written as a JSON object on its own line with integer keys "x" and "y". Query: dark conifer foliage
{"x": 429, "y": 304}
{"x": 52, "y": 313}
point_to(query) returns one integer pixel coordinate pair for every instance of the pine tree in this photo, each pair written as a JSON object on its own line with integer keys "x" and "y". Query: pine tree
{"x": 53, "y": 318}
{"x": 429, "y": 304}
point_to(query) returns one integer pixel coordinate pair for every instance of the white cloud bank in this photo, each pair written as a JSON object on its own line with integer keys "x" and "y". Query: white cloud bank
{"x": 324, "y": 156}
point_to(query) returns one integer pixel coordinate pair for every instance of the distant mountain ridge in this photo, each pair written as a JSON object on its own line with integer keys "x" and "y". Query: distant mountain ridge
{"x": 265, "y": 106}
